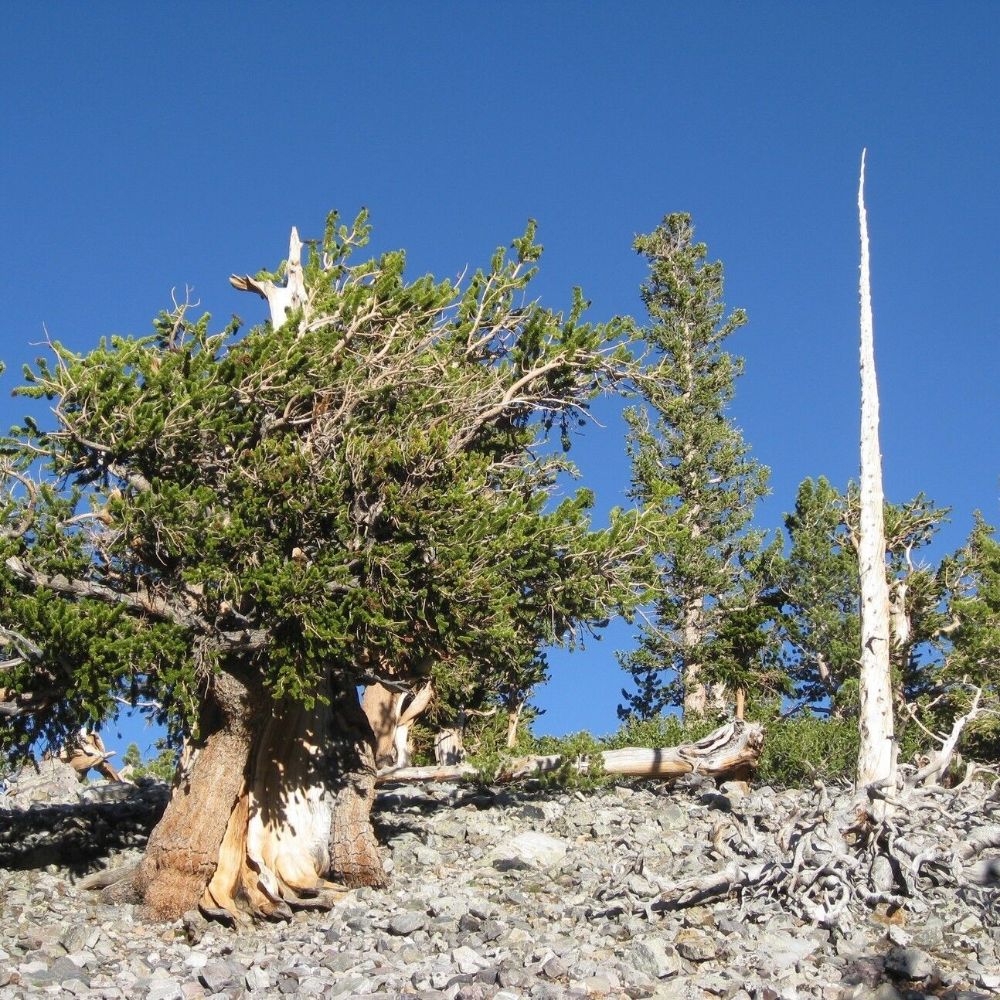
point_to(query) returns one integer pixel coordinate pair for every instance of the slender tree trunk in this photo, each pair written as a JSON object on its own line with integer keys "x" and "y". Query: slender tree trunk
{"x": 695, "y": 692}
{"x": 876, "y": 759}
{"x": 449, "y": 745}
{"x": 275, "y": 805}
{"x": 513, "y": 720}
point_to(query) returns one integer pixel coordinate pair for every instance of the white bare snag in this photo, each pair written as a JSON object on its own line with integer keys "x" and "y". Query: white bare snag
{"x": 876, "y": 759}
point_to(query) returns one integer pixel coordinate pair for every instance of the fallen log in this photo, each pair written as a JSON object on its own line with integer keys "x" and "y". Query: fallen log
{"x": 731, "y": 752}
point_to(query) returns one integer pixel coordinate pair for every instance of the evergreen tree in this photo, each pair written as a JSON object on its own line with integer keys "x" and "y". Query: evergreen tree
{"x": 247, "y": 527}
{"x": 970, "y": 640}
{"x": 691, "y": 466}
{"x": 819, "y": 586}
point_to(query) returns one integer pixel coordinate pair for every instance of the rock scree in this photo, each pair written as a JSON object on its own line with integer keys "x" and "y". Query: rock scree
{"x": 494, "y": 894}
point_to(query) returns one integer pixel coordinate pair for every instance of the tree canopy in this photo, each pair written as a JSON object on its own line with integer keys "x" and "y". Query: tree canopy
{"x": 239, "y": 523}
{"x": 691, "y": 467}
{"x": 360, "y": 488}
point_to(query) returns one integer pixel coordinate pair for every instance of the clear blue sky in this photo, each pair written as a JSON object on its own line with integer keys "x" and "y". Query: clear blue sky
{"x": 152, "y": 146}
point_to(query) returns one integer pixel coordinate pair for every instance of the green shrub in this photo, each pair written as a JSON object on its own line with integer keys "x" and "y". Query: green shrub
{"x": 572, "y": 748}
{"x": 800, "y": 750}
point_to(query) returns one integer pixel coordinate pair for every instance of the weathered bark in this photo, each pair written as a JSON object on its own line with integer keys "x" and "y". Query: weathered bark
{"x": 730, "y": 752}
{"x": 354, "y": 854}
{"x": 876, "y": 760}
{"x": 183, "y": 850}
{"x": 275, "y": 803}
{"x": 391, "y": 715}
{"x": 87, "y": 752}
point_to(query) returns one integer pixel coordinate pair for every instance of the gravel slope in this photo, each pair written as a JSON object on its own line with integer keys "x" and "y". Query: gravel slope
{"x": 507, "y": 894}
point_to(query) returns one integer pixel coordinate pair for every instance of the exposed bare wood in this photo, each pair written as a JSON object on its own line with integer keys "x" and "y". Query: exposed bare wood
{"x": 281, "y": 299}
{"x": 940, "y": 760}
{"x": 876, "y": 760}
{"x": 88, "y": 751}
{"x": 831, "y": 864}
{"x": 729, "y": 752}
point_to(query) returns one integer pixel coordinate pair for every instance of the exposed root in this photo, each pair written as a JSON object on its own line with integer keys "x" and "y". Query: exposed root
{"x": 832, "y": 866}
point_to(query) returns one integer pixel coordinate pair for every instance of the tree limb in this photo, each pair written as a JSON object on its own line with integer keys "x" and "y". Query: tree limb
{"x": 142, "y": 602}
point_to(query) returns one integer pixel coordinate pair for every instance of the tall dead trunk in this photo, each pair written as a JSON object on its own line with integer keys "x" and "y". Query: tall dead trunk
{"x": 275, "y": 806}
{"x": 876, "y": 758}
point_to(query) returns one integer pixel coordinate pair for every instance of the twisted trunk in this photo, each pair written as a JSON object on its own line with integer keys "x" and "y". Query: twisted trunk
{"x": 272, "y": 815}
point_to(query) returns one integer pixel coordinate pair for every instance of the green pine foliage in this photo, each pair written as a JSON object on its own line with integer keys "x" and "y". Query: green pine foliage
{"x": 160, "y": 768}
{"x": 370, "y": 484}
{"x": 970, "y": 640}
{"x": 692, "y": 469}
{"x": 819, "y": 588}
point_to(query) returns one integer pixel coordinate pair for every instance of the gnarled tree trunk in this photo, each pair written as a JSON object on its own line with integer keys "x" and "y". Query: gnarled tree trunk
{"x": 275, "y": 805}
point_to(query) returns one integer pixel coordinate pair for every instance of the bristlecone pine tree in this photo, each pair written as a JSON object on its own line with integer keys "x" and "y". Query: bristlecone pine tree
{"x": 691, "y": 465}
{"x": 248, "y": 527}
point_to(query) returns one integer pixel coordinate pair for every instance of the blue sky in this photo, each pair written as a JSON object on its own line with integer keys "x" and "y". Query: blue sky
{"x": 148, "y": 147}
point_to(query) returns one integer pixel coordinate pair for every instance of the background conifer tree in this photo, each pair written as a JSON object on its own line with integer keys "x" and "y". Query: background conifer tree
{"x": 691, "y": 466}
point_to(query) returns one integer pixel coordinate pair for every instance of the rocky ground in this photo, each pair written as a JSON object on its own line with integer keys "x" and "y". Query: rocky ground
{"x": 504, "y": 894}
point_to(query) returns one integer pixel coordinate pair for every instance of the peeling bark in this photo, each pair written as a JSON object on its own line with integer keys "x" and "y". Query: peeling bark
{"x": 274, "y": 806}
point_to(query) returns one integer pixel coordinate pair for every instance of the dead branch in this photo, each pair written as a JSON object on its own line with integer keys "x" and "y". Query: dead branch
{"x": 730, "y": 752}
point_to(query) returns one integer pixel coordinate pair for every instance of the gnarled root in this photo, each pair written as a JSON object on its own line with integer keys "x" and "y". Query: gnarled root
{"x": 831, "y": 865}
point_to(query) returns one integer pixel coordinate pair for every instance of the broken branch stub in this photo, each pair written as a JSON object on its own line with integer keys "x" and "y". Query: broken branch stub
{"x": 281, "y": 299}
